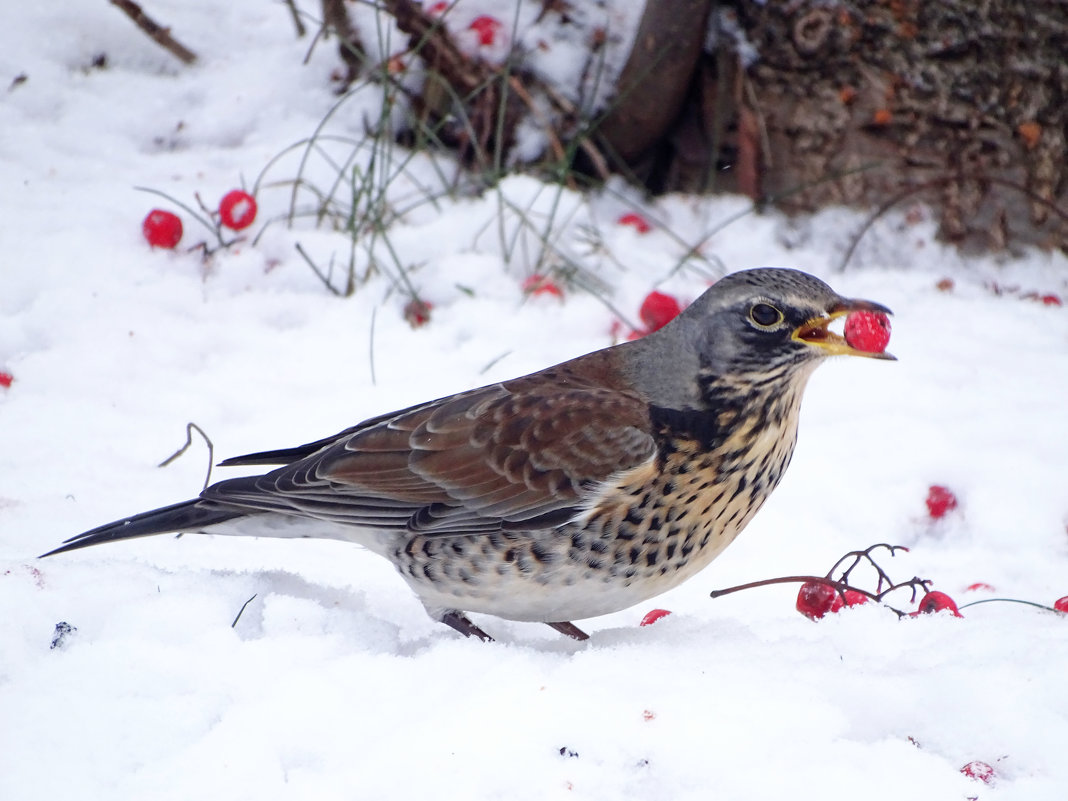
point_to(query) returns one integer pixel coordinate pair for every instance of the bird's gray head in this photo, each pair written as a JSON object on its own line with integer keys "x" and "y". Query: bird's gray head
{"x": 751, "y": 327}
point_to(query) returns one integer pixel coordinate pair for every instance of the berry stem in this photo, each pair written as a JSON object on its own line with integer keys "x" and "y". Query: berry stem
{"x": 208, "y": 222}
{"x": 192, "y": 213}
{"x": 1009, "y": 601}
{"x": 858, "y": 556}
{"x": 885, "y": 586}
{"x": 780, "y": 580}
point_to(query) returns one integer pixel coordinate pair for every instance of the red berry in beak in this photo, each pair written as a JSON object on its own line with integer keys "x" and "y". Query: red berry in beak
{"x": 867, "y": 331}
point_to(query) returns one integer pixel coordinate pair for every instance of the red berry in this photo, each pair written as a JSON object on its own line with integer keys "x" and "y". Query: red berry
{"x": 486, "y": 28}
{"x": 162, "y": 229}
{"x": 816, "y": 598}
{"x": 1051, "y": 300}
{"x": 854, "y": 598}
{"x": 653, "y": 615}
{"x": 939, "y": 501}
{"x": 1061, "y": 604}
{"x": 658, "y": 310}
{"x": 867, "y": 331}
{"x": 636, "y": 221}
{"x": 979, "y": 770}
{"x": 5, "y": 379}
{"x": 540, "y": 285}
{"x": 237, "y": 209}
{"x": 417, "y": 312}
{"x": 438, "y": 8}
{"x": 979, "y": 586}
{"x": 936, "y": 601}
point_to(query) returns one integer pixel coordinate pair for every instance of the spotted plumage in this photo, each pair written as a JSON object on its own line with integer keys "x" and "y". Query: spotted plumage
{"x": 568, "y": 493}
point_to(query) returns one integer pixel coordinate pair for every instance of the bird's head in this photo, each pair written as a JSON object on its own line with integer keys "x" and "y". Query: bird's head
{"x": 756, "y": 327}
{"x": 767, "y": 317}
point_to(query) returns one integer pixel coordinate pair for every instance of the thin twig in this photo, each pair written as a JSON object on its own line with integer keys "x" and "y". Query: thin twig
{"x": 241, "y": 611}
{"x": 1010, "y": 601}
{"x": 208, "y": 222}
{"x": 189, "y": 428}
{"x": 296, "y": 18}
{"x": 371, "y": 345}
{"x": 493, "y": 361}
{"x": 318, "y": 272}
{"x": 521, "y": 92}
{"x": 159, "y": 34}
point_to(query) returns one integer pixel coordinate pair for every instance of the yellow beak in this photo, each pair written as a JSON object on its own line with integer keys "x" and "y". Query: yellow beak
{"x": 815, "y": 332}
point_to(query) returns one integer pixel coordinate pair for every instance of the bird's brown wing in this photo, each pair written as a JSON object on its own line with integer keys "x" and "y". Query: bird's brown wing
{"x": 512, "y": 456}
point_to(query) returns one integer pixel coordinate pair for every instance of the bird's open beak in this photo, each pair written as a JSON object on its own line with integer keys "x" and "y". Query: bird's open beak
{"x": 816, "y": 332}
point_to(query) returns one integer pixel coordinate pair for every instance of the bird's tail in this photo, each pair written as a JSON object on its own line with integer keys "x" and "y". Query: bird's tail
{"x": 186, "y": 516}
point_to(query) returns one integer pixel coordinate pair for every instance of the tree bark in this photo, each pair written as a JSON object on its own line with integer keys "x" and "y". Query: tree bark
{"x": 960, "y": 103}
{"x": 654, "y": 82}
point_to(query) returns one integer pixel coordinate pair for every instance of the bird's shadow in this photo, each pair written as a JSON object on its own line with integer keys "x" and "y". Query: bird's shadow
{"x": 349, "y": 614}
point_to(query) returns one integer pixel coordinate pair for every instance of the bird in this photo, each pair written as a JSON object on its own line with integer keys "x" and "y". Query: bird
{"x": 569, "y": 493}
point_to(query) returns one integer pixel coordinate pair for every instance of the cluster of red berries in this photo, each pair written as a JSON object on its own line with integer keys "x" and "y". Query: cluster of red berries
{"x": 816, "y": 599}
{"x": 163, "y": 229}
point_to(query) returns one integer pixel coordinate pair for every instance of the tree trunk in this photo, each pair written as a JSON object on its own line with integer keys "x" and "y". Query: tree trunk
{"x": 959, "y": 103}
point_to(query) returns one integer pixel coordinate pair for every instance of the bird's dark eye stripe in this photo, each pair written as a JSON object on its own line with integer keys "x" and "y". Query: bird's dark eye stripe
{"x": 765, "y": 314}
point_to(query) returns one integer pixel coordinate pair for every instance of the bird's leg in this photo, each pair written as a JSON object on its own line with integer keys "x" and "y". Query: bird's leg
{"x": 457, "y": 620}
{"x": 569, "y": 630}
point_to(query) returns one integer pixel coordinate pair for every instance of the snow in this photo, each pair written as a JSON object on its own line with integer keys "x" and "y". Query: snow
{"x": 333, "y": 683}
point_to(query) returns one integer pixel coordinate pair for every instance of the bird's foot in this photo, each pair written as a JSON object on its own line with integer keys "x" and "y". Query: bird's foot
{"x": 457, "y": 620}
{"x": 569, "y": 630}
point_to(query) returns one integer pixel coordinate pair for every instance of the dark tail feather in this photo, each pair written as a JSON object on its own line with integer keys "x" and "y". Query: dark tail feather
{"x": 287, "y": 455}
{"x": 186, "y": 516}
{"x": 283, "y": 456}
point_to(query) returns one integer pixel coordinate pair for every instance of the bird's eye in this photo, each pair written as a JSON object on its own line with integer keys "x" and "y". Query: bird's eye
{"x": 765, "y": 315}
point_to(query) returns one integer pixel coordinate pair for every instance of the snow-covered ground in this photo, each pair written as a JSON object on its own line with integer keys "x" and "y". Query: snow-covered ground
{"x": 333, "y": 683}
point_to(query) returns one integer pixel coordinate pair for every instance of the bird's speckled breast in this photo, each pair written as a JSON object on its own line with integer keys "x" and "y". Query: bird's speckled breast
{"x": 645, "y": 531}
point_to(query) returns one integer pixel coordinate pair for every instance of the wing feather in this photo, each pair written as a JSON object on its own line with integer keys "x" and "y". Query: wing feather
{"x": 484, "y": 460}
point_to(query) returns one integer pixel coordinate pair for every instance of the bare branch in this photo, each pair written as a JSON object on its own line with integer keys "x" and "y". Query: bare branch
{"x": 160, "y": 34}
{"x": 297, "y": 22}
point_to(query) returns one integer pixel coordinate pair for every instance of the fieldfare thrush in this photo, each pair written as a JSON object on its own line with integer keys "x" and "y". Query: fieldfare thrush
{"x": 572, "y": 492}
